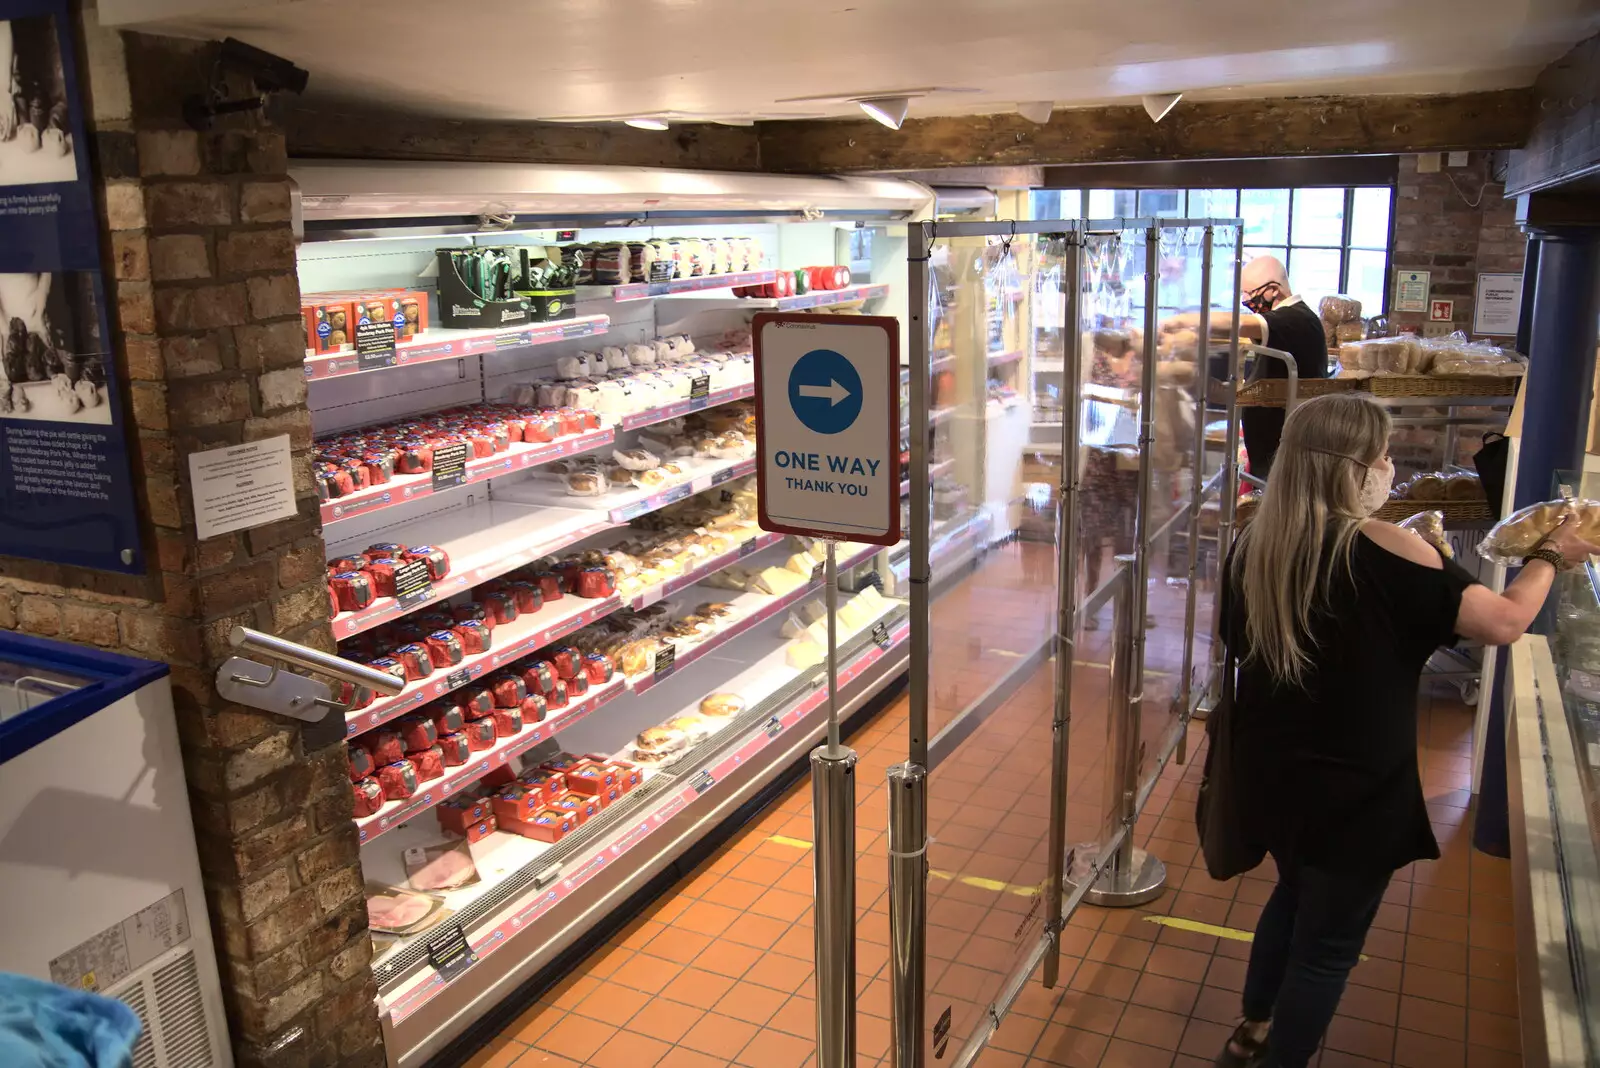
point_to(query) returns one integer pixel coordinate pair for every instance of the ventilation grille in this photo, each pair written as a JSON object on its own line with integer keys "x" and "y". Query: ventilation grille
{"x": 175, "y": 1035}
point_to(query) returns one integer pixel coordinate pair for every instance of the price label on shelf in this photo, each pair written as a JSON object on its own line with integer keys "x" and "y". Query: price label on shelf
{"x": 666, "y": 658}
{"x": 412, "y": 586}
{"x": 699, "y": 390}
{"x": 457, "y": 679}
{"x": 450, "y": 466}
{"x": 450, "y": 953}
{"x": 725, "y": 475}
{"x": 702, "y": 782}
{"x": 374, "y": 345}
{"x": 880, "y": 634}
{"x": 774, "y": 727}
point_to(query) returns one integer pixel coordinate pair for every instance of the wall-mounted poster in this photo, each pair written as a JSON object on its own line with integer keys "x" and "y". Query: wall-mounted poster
{"x": 66, "y": 492}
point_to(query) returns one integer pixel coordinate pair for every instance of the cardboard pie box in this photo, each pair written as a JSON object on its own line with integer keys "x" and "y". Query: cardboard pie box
{"x": 581, "y": 807}
{"x": 590, "y": 778}
{"x": 477, "y": 832}
{"x": 519, "y": 801}
{"x": 547, "y": 825}
{"x": 458, "y": 813}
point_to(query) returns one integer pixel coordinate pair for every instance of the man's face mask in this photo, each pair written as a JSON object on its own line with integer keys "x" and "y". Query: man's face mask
{"x": 1259, "y": 300}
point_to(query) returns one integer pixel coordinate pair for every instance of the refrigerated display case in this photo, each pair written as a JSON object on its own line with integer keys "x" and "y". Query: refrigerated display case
{"x": 634, "y": 658}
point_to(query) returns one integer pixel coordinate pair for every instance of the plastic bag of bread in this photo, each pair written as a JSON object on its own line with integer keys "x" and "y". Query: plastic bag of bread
{"x": 1476, "y": 359}
{"x": 1339, "y": 309}
{"x": 1511, "y": 539}
{"x": 1426, "y": 487}
{"x": 1356, "y": 331}
{"x": 1429, "y": 526}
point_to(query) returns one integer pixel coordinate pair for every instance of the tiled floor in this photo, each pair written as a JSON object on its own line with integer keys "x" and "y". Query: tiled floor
{"x": 718, "y": 972}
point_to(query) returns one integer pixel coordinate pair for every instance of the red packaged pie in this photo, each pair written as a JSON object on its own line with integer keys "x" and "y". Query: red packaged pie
{"x": 333, "y": 602}
{"x": 475, "y": 637}
{"x": 568, "y": 661}
{"x": 455, "y": 749}
{"x": 353, "y": 696}
{"x": 384, "y": 744}
{"x": 480, "y": 734}
{"x": 380, "y": 468}
{"x": 590, "y": 778}
{"x": 552, "y": 783}
{"x": 445, "y": 650}
{"x": 549, "y": 584}
{"x": 446, "y": 718}
{"x": 517, "y": 801}
{"x": 596, "y": 582}
{"x": 547, "y": 825}
{"x": 540, "y": 428}
{"x": 458, "y": 813}
{"x": 477, "y": 832}
{"x": 561, "y": 763}
{"x": 415, "y": 659}
{"x": 475, "y": 703}
{"x": 508, "y": 690}
{"x": 361, "y": 762}
{"x": 353, "y": 590}
{"x": 557, "y": 697}
{"x": 579, "y": 807}
{"x": 429, "y": 763}
{"x": 390, "y": 665}
{"x": 368, "y": 797}
{"x": 472, "y": 611}
{"x": 568, "y": 571}
{"x": 501, "y": 606}
{"x": 539, "y": 676}
{"x": 528, "y": 597}
{"x": 571, "y": 421}
{"x": 577, "y": 686}
{"x": 399, "y": 780}
{"x": 534, "y": 708}
{"x": 417, "y": 733}
{"x": 597, "y": 668}
{"x": 628, "y": 775}
{"x": 437, "y": 559}
{"x": 346, "y": 563}
{"x": 384, "y": 550}
{"x": 507, "y": 721}
{"x": 416, "y": 457}
{"x": 382, "y": 571}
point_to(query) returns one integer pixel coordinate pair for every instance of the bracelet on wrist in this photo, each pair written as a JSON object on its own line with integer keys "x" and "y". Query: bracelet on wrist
{"x": 1550, "y": 556}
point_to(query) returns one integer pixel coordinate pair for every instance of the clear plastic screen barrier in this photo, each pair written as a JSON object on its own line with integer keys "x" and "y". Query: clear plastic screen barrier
{"x": 994, "y": 303}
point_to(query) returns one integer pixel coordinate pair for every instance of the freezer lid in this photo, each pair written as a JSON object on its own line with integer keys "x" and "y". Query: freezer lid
{"x": 47, "y": 686}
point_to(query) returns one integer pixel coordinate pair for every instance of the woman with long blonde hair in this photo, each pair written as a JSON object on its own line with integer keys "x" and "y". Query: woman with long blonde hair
{"x": 1332, "y": 616}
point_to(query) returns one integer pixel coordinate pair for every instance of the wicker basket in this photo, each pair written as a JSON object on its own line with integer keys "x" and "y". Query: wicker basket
{"x": 1442, "y": 386}
{"x": 1273, "y": 392}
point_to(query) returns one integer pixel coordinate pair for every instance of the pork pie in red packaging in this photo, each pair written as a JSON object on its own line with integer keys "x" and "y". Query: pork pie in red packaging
{"x": 369, "y": 797}
{"x": 567, "y": 661}
{"x": 568, "y": 571}
{"x": 539, "y": 676}
{"x": 528, "y": 597}
{"x": 472, "y": 612}
{"x": 399, "y": 780}
{"x": 572, "y": 421}
{"x": 417, "y": 733}
{"x": 389, "y": 549}
{"x": 507, "y": 721}
{"x": 628, "y": 775}
{"x": 597, "y": 668}
{"x": 353, "y": 589}
{"x": 384, "y": 744}
{"x": 517, "y": 801}
{"x": 354, "y": 696}
{"x": 508, "y": 690}
{"x": 577, "y": 686}
{"x": 480, "y": 734}
{"x": 458, "y": 813}
{"x": 501, "y": 606}
{"x": 380, "y": 467}
{"x": 415, "y": 458}
{"x": 540, "y": 428}
{"x": 437, "y": 560}
{"x": 557, "y": 697}
{"x": 382, "y": 572}
{"x": 481, "y": 445}
{"x": 534, "y": 708}
{"x": 549, "y": 584}
{"x": 475, "y": 703}
{"x": 390, "y": 665}
{"x": 361, "y": 762}
{"x": 475, "y": 637}
{"x": 429, "y": 763}
{"x": 581, "y": 808}
{"x": 455, "y": 749}
{"x": 444, "y": 648}
{"x": 590, "y": 778}
{"x": 561, "y": 763}
{"x": 415, "y": 659}
{"x": 552, "y": 783}
{"x": 333, "y": 602}
{"x": 346, "y": 563}
{"x": 596, "y": 582}
{"x": 447, "y": 718}
{"x": 547, "y": 825}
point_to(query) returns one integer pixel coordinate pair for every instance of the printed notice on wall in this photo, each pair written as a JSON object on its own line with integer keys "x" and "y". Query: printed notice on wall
{"x": 1411, "y": 290}
{"x": 241, "y": 486}
{"x": 1498, "y": 308}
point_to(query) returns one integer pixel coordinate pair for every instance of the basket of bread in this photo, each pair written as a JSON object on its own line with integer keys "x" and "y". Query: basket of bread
{"x": 1457, "y": 497}
{"x": 1515, "y": 536}
{"x": 1408, "y": 366}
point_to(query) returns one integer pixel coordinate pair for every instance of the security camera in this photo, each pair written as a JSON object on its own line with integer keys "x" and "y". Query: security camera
{"x": 268, "y": 73}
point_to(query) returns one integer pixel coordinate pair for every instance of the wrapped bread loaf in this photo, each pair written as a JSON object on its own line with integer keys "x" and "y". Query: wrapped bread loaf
{"x": 1356, "y": 331}
{"x": 1339, "y": 309}
{"x": 1429, "y": 526}
{"x": 1515, "y": 536}
{"x": 1382, "y": 355}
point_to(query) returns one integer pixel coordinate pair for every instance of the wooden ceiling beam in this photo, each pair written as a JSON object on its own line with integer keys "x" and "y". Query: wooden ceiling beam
{"x": 1211, "y": 130}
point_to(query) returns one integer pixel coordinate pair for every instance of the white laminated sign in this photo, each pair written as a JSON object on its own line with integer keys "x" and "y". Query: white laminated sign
{"x": 828, "y": 418}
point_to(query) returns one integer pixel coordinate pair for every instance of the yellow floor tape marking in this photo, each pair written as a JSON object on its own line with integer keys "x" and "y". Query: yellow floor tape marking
{"x": 797, "y": 843}
{"x": 1212, "y": 929}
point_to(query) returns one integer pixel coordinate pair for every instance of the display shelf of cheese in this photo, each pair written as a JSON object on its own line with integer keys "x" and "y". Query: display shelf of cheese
{"x": 646, "y": 290}
{"x": 484, "y": 540}
{"x": 623, "y": 505}
{"x": 522, "y": 879}
{"x": 684, "y": 407}
{"x": 434, "y": 345}
{"x": 434, "y": 792}
{"x": 519, "y": 457}
{"x": 817, "y": 298}
{"x": 512, "y": 641}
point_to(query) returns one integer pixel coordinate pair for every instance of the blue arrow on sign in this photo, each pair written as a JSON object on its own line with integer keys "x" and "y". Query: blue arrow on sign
{"x": 825, "y": 391}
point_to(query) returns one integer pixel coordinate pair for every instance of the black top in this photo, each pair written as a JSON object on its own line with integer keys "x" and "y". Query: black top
{"x": 1296, "y": 329}
{"x": 1327, "y": 772}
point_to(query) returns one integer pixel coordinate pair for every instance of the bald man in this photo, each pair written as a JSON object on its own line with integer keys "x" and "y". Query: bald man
{"x": 1278, "y": 319}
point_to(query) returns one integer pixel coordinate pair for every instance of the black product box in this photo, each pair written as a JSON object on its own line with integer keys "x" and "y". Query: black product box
{"x": 548, "y": 305}
{"x": 461, "y": 307}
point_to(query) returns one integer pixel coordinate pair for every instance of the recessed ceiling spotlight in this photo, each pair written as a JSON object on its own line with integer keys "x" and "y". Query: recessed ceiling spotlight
{"x": 1156, "y": 105}
{"x": 889, "y": 110}
{"x": 645, "y": 124}
{"x": 1036, "y": 110}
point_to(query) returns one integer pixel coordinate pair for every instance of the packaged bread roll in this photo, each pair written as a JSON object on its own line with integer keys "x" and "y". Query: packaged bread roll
{"x": 1339, "y": 309}
{"x": 1515, "y": 536}
{"x": 1429, "y": 526}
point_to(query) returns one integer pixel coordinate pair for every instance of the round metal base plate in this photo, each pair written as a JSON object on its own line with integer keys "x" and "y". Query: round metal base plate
{"x": 1141, "y": 881}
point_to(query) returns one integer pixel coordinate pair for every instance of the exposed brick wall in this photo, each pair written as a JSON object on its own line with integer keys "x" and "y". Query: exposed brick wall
{"x": 200, "y": 270}
{"x": 1453, "y": 223}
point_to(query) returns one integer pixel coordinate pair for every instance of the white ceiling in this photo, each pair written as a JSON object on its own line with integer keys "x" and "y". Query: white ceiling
{"x": 733, "y": 59}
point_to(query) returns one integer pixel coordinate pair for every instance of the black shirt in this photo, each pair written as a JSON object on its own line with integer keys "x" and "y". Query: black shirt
{"x": 1296, "y": 329}
{"x": 1327, "y": 771}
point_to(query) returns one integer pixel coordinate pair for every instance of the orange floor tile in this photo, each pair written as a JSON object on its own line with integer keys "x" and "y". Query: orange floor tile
{"x": 717, "y": 972}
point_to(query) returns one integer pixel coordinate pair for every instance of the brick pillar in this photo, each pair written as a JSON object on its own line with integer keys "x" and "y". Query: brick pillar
{"x": 200, "y": 275}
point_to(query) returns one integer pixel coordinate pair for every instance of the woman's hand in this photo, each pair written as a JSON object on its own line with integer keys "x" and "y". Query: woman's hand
{"x": 1566, "y": 540}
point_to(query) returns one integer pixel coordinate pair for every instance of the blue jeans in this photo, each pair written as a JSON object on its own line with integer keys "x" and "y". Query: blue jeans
{"x": 1307, "y": 940}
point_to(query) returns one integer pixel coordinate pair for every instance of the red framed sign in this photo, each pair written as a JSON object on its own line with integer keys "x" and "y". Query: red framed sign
{"x": 828, "y": 420}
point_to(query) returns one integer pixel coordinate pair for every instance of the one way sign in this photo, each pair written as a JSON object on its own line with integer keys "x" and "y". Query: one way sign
{"x": 828, "y": 421}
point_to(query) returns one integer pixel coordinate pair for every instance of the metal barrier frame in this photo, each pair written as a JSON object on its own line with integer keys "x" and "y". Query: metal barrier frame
{"x": 907, "y": 783}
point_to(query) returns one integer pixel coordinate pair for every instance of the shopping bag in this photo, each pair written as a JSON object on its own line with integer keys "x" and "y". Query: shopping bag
{"x": 1216, "y": 810}
{"x": 1490, "y": 461}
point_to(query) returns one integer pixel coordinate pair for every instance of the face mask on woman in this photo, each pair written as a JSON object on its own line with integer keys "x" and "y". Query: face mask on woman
{"x": 1375, "y": 485}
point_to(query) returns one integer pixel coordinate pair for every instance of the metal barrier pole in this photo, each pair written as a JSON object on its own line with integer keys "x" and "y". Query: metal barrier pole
{"x": 908, "y": 910}
{"x": 1066, "y": 609}
{"x": 1230, "y": 479}
{"x": 1197, "y": 500}
{"x": 833, "y": 801}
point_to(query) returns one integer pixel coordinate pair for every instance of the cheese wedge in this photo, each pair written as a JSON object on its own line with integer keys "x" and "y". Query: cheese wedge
{"x": 793, "y": 626}
{"x": 777, "y": 581}
{"x": 803, "y": 654}
{"x": 801, "y": 563}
